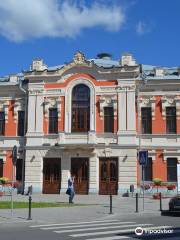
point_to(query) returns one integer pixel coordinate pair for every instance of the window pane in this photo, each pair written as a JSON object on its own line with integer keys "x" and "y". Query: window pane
{"x": 108, "y": 119}
{"x": 53, "y": 120}
{"x": 21, "y": 115}
{"x": 146, "y": 119}
{"x": 2, "y": 123}
{"x": 171, "y": 119}
{"x": 80, "y": 108}
{"x": 172, "y": 169}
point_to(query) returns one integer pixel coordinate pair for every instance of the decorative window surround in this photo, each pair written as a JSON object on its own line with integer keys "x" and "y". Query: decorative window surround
{"x": 108, "y": 101}
{"x": 148, "y": 101}
{"x": 170, "y": 101}
{"x": 4, "y": 105}
{"x": 19, "y": 105}
{"x": 68, "y": 103}
{"x": 152, "y": 154}
{"x": 3, "y": 156}
{"x": 171, "y": 154}
{"x": 52, "y": 102}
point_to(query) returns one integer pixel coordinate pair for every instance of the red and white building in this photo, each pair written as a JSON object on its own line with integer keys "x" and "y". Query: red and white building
{"x": 90, "y": 117}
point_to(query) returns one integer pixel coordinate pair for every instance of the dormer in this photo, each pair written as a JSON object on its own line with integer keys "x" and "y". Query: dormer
{"x": 13, "y": 78}
{"x": 38, "y": 65}
{"x": 159, "y": 72}
{"x": 127, "y": 60}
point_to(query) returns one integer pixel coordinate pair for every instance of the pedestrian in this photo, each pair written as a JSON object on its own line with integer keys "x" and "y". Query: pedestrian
{"x": 71, "y": 188}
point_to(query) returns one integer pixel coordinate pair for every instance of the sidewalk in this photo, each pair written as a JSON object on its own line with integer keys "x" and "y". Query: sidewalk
{"x": 123, "y": 207}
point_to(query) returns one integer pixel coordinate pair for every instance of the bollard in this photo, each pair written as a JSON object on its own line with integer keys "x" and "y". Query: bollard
{"x": 137, "y": 202}
{"x": 160, "y": 201}
{"x": 110, "y": 212}
{"x": 29, "y": 214}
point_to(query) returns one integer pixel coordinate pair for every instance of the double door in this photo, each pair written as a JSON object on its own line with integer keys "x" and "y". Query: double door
{"x": 51, "y": 175}
{"x": 80, "y": 170}
{"x": 108, "y": 176}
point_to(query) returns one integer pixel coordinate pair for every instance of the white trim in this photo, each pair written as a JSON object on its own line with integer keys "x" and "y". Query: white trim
{"x": 68, "y": 103}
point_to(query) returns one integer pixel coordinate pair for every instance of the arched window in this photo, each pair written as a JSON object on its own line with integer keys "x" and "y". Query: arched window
{"x": 80, "y": 108}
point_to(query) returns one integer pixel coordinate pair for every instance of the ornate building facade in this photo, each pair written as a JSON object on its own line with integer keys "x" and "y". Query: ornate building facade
{"x": 90, "y": 117}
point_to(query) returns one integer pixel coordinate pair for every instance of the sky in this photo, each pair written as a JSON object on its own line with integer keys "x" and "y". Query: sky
{"x": 55, "y": 29}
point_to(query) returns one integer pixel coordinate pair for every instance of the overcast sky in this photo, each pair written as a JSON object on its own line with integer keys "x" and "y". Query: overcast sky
{"x": 55, "y": 29}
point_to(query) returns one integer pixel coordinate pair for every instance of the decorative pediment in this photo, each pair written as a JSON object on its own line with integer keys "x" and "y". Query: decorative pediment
{"x": 19, "y": 105}
{"x": 108, "y": 101}
{"x": 52, "y": 102}
{"x": 148, "y": 101}
{"x": 79, "y": 58}
{"x": 4, "y": 105}
{"x": 170, "y": 101}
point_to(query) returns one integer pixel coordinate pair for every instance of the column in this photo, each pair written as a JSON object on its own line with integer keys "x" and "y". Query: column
{"x": 65, "y": 171}
{"x": 93, "y": 174}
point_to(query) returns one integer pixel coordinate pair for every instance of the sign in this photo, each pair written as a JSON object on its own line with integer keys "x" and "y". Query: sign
{"x": 143, "y": 157}
{"x": 14, "y": 155}
{"x": 178, "y": 177}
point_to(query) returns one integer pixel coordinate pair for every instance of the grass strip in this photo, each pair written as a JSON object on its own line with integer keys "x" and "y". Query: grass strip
{"x": 7, "y": 204}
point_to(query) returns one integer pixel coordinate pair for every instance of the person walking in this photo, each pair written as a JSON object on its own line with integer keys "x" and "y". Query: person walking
{"x": 71, "y": 188}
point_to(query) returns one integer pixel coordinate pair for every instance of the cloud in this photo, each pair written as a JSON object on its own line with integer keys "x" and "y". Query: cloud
{"x": 142, "y": 28}
{"x": 22, "y": 20}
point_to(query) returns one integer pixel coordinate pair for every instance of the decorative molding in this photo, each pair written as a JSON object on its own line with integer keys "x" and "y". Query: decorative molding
{"x": 148, "y": 101}
{"x": 170, "y": 101}
{"x": 4, "y": 105}
{"x": 52, "y": 102}
{"x": 3, "y": 156}
{"x": 79, "y": 58}
{"x": 108, "y": 101}
{"x": 171, "y": 154}
{"x": 123, "y": 88}
{"x": 35, "y": 91}
{"x": 19, "y": 105}
{"x": 152, "y": 154}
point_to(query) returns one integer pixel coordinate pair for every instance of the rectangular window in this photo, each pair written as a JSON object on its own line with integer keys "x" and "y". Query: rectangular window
{"x": 170, "y": 119}
{"x": 21, "y": 119}
{"x": 19, "y": 169}
{"x": 2, "y": 123}
{"x": 146, "y": 120}
{"x": 1, "y": 167}
{"x": 53, "y": 120}
{"x": 172, "y": 169}
{"x": 108, "y": 119}
{"x": 148, "y": 170}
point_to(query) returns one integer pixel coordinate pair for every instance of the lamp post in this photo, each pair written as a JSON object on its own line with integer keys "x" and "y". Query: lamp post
{"x": 14, "y": 161}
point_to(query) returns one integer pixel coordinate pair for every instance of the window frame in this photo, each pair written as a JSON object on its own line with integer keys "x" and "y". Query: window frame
{"x": 108, "y": 120}
{"x": 171, "y": 125}
{"x": 2, "y": 123}
{"x": 172, "y": 169}
{"x": 53, "y": 121}
{"x": 146, "y": 120}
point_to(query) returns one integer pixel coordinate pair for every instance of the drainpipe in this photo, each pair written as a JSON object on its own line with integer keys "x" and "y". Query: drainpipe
{"x": 25, "y": 126}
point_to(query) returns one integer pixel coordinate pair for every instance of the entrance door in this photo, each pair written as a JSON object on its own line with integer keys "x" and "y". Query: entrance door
{"x": 108, "y": 176}
{"x": 80, "y": 169}
{"x": 51, "y": 175}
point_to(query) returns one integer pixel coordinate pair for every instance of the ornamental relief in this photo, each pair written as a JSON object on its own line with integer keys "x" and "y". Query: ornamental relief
{"x": 148, "y": 101}
{"x": 108, "y": 101}
{"x": 52, "y": 102}
{"x": 19, "y": 105}
{"x": 170, "y": 101}
{"x": 4, "y": 105}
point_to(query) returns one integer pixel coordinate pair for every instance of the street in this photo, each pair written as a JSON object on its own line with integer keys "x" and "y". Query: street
{"x": 110, "y": 227}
